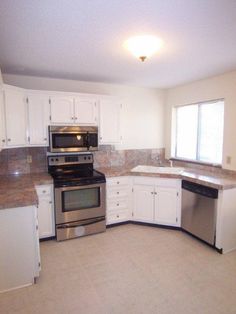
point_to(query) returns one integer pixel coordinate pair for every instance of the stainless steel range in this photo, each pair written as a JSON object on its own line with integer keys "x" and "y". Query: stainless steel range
{"x": 79, "y": 195}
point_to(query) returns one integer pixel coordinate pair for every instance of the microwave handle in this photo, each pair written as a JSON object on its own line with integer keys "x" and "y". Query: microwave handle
{"x": 87, "y": 140}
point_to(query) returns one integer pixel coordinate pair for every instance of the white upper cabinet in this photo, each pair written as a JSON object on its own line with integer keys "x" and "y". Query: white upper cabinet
{"x": 2, "y": 122}
{"x": 16, "y": 117}
{"x": 38, "y": 119}
{"x": 110, "y": 113}
{"x": 62, "y": 109}
{"x": 86, "y": 111}
{"x": 79, "y": 110}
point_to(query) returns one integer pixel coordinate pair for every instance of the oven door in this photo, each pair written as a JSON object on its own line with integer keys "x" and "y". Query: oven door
{"x": 79, "y": 202}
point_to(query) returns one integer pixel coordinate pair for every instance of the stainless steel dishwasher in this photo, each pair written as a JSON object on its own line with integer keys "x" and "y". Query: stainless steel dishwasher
{"x": 199, "y": 205}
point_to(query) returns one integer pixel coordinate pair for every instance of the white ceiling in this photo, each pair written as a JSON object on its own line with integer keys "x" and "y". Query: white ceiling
{"x": 82, "y": 39}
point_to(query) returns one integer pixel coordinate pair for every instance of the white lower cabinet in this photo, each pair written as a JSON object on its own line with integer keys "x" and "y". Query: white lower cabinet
{"x": 143, "y": 203}
{"x": 166, "y": 210}
{"x": 157, "y": 200}
{"x": 45, "y": 211}
{"x": 19, "y": 243}
{"x": 118, "y": 191}
{"x": 144, "y": 199}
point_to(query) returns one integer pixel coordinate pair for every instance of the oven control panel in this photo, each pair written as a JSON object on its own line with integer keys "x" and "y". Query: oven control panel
{"x": 70, "y": 159}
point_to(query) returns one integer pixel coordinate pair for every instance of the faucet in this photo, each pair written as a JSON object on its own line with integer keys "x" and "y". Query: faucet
{"x": 171, "y": 162}
{"x": 159, "y": 160}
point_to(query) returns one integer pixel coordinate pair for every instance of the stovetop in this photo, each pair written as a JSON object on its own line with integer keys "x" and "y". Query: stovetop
{"x": 75, "y": 179}
{"x": 74, "y": 170}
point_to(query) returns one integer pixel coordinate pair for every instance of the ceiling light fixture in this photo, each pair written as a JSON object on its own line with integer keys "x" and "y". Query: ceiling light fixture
{"x": 144, "y": 46}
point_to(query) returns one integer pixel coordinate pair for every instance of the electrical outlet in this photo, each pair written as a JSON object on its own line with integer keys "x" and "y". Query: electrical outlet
{"x": 29, "y": 159}
{"x": 228, "y": 159}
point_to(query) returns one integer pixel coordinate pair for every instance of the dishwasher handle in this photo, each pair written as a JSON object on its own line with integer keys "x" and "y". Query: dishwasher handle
{"x": 200, "y": 189}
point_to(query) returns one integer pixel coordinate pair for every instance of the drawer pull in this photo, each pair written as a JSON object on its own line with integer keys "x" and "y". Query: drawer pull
{"x": 117, "y": 192}
{"x": 117, "y": 204}
{"x": 117, "y": 216}
{"x": 118, "y": 182}
{"x": 44, "y": 191}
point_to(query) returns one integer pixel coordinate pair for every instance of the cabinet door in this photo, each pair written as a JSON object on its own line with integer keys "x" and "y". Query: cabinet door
{"x": 38, "y": 118}
{"x": 46, "y": 217}
{"x": 2, "y": 122}
{"x": 143, "y": 203}
{"x": 166, "y": 200}
{"x": 15, "y": 108}
{"x": 85, "y": 111}
{"x": 62, "y": 109}
{"x": 110, "y": 112}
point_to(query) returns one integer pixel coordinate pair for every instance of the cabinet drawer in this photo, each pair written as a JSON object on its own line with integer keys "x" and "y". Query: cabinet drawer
{"x": 117, "y": 181}
{"x": 117, "y": 204}
{"x": 118, "y": 216}
{"x": 43, "y": 190}
{"x": 117, "y": 192}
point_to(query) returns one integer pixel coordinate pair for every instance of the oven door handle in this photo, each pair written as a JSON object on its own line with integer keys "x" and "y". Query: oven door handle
{"x": 71, "y": 225}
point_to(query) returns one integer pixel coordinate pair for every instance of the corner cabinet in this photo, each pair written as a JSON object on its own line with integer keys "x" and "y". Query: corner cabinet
{"x": 109, "y": 122}
{"x": 45, "y": 211}
{"x": 157, "y": 200}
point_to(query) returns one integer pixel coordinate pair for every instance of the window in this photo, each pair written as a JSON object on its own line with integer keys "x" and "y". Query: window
{"x": 199, "y": 132}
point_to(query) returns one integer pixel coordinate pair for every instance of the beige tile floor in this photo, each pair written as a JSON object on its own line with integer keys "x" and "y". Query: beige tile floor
{"x": 129, "y": 269}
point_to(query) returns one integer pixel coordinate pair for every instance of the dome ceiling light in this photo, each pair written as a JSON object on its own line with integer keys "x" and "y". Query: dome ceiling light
{"x": 144, "y": 46}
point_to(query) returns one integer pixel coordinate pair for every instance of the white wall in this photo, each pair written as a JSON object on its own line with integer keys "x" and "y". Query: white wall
{"x": 143, "y": 108}
{"x": 223, "y": 86}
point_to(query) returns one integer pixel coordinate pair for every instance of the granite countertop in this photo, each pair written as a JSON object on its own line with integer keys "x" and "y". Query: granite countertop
{"x": 220, "y": 182}
{"x": 19, "y": 190}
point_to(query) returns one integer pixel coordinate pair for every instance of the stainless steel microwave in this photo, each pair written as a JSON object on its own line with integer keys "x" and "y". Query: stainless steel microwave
{"x": 73, "y": 138}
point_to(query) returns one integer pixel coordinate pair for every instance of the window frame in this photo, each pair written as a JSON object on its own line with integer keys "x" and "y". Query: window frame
{"x": 199, "y": 105}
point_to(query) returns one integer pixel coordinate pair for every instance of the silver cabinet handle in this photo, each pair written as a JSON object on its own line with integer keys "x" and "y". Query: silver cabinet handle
{"x": 118, "y": 182}
{"x": 100, "y": 137}
{"x": 45, "y": 139}
{"x": 117, "y": 204}
{"x": 44, "y": 191}
{"x": 117, "y": 192}
{"x": 117, "y": 216}
{"x": 152, "y": 192}
{"x": 3, "y": 141}
{"x": 76, "y": 118}
{"x": 8, "y": 139}
{"x": 50, "y": 202}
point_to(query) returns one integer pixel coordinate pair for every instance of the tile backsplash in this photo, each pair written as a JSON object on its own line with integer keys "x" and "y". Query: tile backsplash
{"x": 107, "y": 156}
{"x": 14, "y": 160}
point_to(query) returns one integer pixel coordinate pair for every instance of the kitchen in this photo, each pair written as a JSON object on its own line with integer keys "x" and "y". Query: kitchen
{"x": 136, "y": 265}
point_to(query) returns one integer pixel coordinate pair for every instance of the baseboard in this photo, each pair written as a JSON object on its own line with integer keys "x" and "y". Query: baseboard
{"x": 47, "y": 239}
